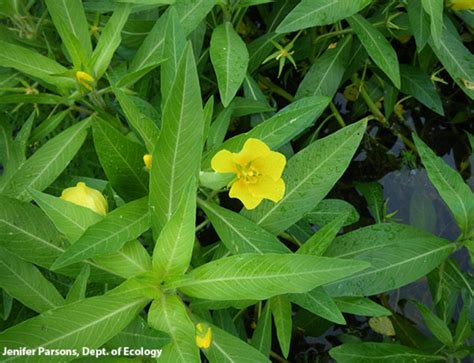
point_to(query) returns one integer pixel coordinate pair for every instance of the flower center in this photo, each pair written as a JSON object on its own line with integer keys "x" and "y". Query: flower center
{"x": 249, "y": 174}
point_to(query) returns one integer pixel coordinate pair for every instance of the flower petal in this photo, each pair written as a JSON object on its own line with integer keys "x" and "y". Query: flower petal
{"x": 223, "y": 162}
{"x": 268, "y": 188}
{"x": 240, "y": 191}
{"x": 271, "y": 165}
{"x": 253, "y": 149}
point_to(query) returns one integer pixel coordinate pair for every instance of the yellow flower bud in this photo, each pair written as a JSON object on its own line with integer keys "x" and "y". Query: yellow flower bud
{"x": 203, "y": 335}
{"x": 87, "y": 197}
{"x": 85, "y": 79}
{"x": 458, "y": 5}
{"x": 147, "y": 160}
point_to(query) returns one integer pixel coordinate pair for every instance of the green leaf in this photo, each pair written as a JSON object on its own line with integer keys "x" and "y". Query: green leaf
{"x": 25, "y": 283}
{"x": 109, "y": 40}
{"x": 329, "y": 209}
{"x": 450, "y": 185}
{"x": 151, "y": 51}
{"x": 73, "y": 220}
{"x": 258, "y": 277}
{"x": 145, "y": 126}
{"x": 279, "y": 129}
{"x": 175, "y": 43}
{"x": 282, "y": 316}
{"x": 398, "y": 254}
{"x": 434, "y": 9}
{"x": 319, "y": 303}
{"x": 70, "y": 21}
{"x": 48, "y": 126}
{"x": 377, "y": 46}
{"x": 121, "y": 159}
{"x": 262, "y": 336}
{"x": 247, "y": 106}
{"x": 138, "y": 334}
{"x": 110, "y": 234}
{"x": 419, "y": 23}
{"x": 373, "y": 194}
{"x": 177, "y": 154}
{"x": 230, "y": 59}
{"x": 309, "y": 176}
{"x": 239, "y": 234}
{"x": 192, "y": 12}
{"x": 174, "y": 246}
{"x": 309, "y": 13}
{"x": 456, "y": 58}
{"x": 46, "y": 164}
{"x": 226, "y": 348}
{"x": 418, "y": 84}
{"x": 219, "y": 127}
{"x": 360, "y": 306}
{"x": 436, "y": 325}
{"x": 380, "y": 352}
{"x": 90, "y": 323}
{"x": 35, "y": 65}
{"x": 325, "y": 75}
{"x": 78, "y": 289}
{"x": 168, "y": 314}
{"x": 318, "y": 243}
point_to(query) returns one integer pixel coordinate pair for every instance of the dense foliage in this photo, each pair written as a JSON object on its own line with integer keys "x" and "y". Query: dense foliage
{"x": 200, "y": 176}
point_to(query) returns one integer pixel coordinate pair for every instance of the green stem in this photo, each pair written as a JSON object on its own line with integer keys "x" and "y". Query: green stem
{"x": 337, "y": 115}
{"x": 276, "y": 89}
{"x": 368, "y": 101}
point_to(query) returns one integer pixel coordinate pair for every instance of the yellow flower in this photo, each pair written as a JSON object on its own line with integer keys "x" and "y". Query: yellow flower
{"x": 87, "y": 197}
{"x": 147, "y": 160}
{"x": 458, "y": 5}
{"x": 258, "y": 172}
{"x": 203, "y": 335}
{"x": 85, "y": 79}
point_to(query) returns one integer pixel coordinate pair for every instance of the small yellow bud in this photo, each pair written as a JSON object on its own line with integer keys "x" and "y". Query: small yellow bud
{"x": 85, "y": 79}
{"x": 458, "y": 5}
{"x": 203, "y": 335}
{"x": 147, "y": 160}
{"x": 87, "y": 197}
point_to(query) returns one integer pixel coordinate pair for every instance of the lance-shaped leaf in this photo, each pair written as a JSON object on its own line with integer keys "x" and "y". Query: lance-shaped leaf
{"x": 279, "y": 129}
{"x": 319, "y": 303}
{"x": 90, "y": 323}
{"x": 110, "y": 234}
{"x": 309, "y": 176}
{"x": 78, "y": 289}
{"x": 174, "y": 247}
{"x": 70, "y": 21}
{"x": 436, "y": 325}
{"x": 168, "y": 314}
{"x": 175, "y": 43}
{"x": 145, "y": 126}
{"x": 45, "y": 165}
{"x": 325, "y": 75}
{"x": 177, "y": 154}
{"x": 380, "y": 352}
{"x": 373, "y": 194}
{"x": 282, "y": 316}
{"x": 398, "y": 255}
{"x": 360, "y": 306}
{"x": 28, "y": 233}
{"x": 73, "y": 220}
{"x": 418, "y": 84}
{"x": 457, "y": 59}
{"x": 24, "y": 282}
{"x": 377, "y": 46}
{"x": 450, "y": 185}
{"x": 34, "y": 64}
{"x": 262, "y": 336}
{"x": 109, "y": 40}
{"x": 434, "y": 8}
{"x": 329, "y": 209}
{"x": 253, "y": 276}
{"x": 310, "y": 13}
{"x": 192, "y": 12}
{"x": 226, "y": 348}
{"x": 239, "y": 234}
{"x": 230, "y": 59}
{"x": 121, "y": 159}
{"x": 419, "y": 23}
